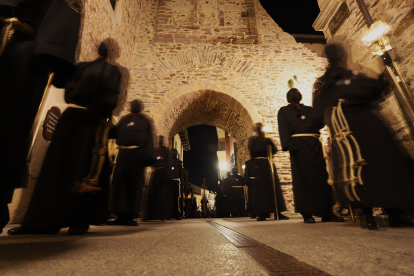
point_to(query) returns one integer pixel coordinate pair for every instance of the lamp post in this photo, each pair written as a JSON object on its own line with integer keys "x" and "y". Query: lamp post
{"x": 376, "y": 40}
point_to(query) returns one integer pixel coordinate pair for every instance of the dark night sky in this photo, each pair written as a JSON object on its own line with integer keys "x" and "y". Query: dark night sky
{"x": 294, "y": 17}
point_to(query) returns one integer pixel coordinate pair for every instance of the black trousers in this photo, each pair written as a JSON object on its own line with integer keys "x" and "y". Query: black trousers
{"x": 175, "y": 194}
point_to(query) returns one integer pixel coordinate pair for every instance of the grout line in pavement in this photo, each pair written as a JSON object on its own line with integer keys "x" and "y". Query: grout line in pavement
{"x": 270, "y": 259}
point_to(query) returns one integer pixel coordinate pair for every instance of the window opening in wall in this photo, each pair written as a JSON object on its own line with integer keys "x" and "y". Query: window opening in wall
{"x": 113, "y": 3}
{"x": 222, "y": 146}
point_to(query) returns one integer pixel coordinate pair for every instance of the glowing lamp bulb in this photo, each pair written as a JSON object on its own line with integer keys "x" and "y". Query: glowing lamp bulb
{"x": 223, "y": 166}
{"x": 267, "y": 129}
{"x": 375, "y": 32}
{"x": 243, "y": 167}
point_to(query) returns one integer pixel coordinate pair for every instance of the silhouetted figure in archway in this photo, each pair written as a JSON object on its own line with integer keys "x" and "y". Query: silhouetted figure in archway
{"x": 386, "y": 175}
{"x": 177, "y": 185}
{"x": 258, "y": 176}
{"x": 313, "y": 196}
{"x": 225, "y": 188}
{"x": 135, "y": 143}
{"x": 73, "y": 183}
{"x": 236, "y": 193}
{"x": 161, "y": 179}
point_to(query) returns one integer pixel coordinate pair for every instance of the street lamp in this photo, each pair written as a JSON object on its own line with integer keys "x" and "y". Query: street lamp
{"x": 223, "y": 166}
{"x": 375, "y": 38}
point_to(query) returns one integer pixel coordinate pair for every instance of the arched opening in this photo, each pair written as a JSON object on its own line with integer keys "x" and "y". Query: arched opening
{"x": 209, "y": 107}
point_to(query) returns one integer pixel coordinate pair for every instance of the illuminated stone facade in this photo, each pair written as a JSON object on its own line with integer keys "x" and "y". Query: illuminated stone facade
{"x": 399, "y": 14}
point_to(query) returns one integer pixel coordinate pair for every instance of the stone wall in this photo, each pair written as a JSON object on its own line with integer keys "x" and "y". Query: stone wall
{"x": 222, "y": 63}
{"x": 101, "y": 22}
{"x": 399, "y": 14}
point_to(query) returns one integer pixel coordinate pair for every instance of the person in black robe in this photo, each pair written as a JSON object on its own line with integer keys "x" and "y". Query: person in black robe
{"x": 225, "y": 188}
{"x": 183, "y": 191}
{"x": 312, "y": 193}
{"x": 161, "y": 179}
{"x": 44, "y": 41}
{"x": 386, "y": 174}
{"x": 134, "y": 138}
{"x": 177, "y": 185}
{"x": 236, "y": 194}
{"x": 92, "y": 94}
{"x": 259, "y": 180}
{"x": 188, "y": 203}
{"x": 219, "y": 201}
{"x": 246, "y": 180}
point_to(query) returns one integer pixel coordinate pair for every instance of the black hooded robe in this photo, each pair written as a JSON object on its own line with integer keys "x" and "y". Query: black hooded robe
{"x": 388, "y": 176}
{"x": 258, "y": 178}
{"x": 94, "y": 86}
{"x": 312, "y": 193}
{"x": 129, "y": 173}
{"x": 24, "y": 70}
{"x": 177, "y": 172}
{"x": 236, "y": 194}
{"x": 158, "y": 196}
{"x": 225, "y": 188}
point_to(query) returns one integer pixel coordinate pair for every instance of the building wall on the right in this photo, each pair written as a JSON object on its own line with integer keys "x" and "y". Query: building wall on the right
{"x": 399, "y": 14}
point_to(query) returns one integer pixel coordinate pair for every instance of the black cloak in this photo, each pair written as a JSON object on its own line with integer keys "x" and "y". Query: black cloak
{"x": 94, "y": 86}
{"x": 258, "y": 178}
{"x": 158, "y": 197}
{"x": 236, "y": 194}
{"x": 225, "y": 203}
{"x": 312, "y": 193}
{"x": 129, "y": 173}
{"x": 388, "y": 175}
{"x": 174, "y": 191}
{"x": 24, "y": 71}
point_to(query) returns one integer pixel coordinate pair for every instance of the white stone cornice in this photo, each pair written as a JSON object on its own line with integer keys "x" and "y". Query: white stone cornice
{"x": 328, "y": 9}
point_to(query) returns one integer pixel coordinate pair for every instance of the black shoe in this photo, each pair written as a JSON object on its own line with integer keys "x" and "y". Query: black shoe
{"x": 78, "y": 230}
{"x": 282, "y": 217}
{"x": 371, "y": 224}
{"x": 178, "y": 218}
{"x": 309, "y": 219}
{"x": 261, "y": 218}
{"x": 133, "y": 222}
{"x": 332, "y": 218}
{"x": 26, "y": 230}
{"x": 117, "y": 222}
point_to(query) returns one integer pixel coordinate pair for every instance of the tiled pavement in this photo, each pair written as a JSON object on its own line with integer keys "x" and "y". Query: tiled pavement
{"x": 235, "y": 246}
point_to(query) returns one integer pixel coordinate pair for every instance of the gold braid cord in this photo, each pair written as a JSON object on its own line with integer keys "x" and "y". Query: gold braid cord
{"x": 351, "y": 169}
{"x": 90, "y": 183}
{"x": 10, "y": 26}
{"x": 326, "y": 157}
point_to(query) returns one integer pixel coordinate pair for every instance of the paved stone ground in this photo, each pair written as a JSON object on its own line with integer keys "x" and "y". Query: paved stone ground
{"x": 192, "y": 247}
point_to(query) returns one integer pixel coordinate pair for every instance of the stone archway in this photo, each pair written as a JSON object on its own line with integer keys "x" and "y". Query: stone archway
{"x": 211, "y": 104}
